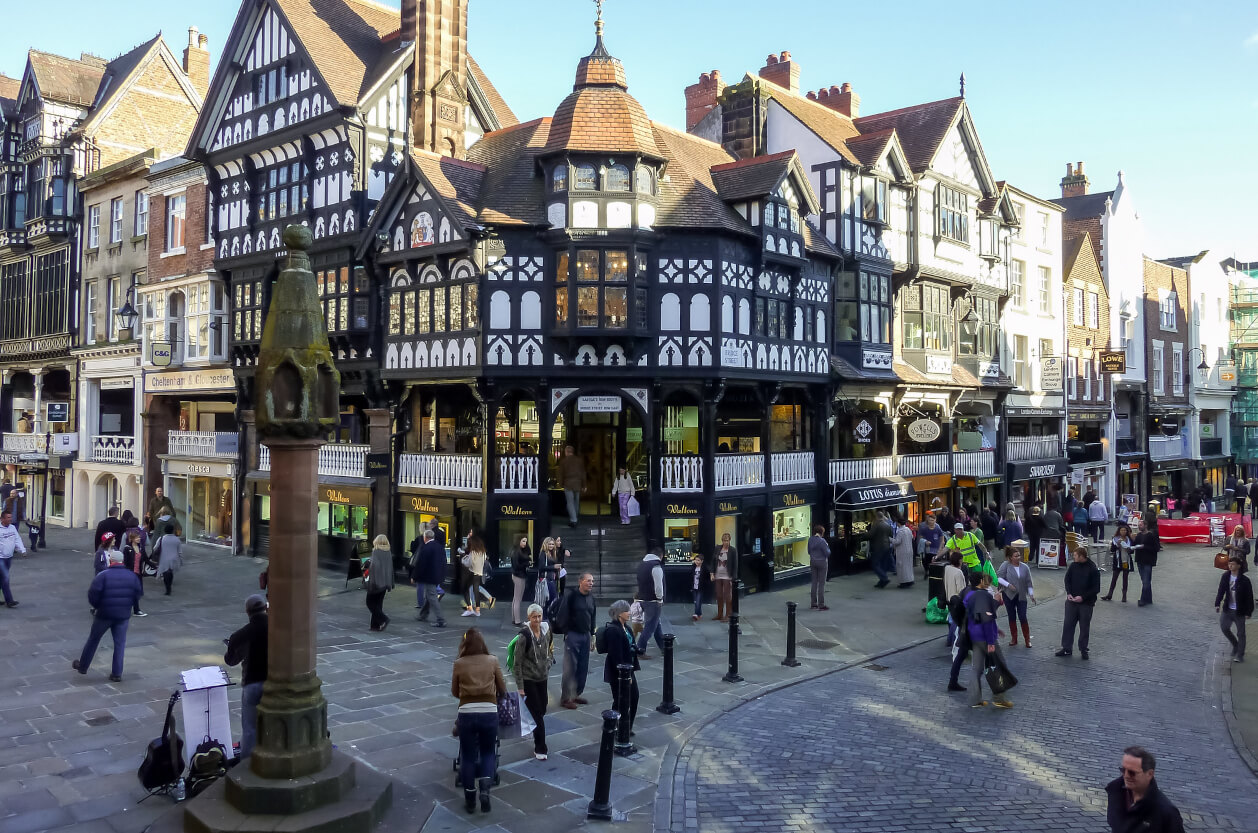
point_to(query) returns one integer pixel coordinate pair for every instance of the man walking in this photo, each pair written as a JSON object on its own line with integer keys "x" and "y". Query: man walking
{"x": 428, "y": 571}
{"x": 819, "y": 565}
{"x": 1098, "y": 514}
{"x": 651, "y": 595}
{"x": 10, "y": 541}
{"x": 160, "y": 509}
{"x": 249, "y": 645}
{"x": 113, "y": 595}
{"x": 112, "y": 524}
{"x": 1147, "y": 545}
{"x": 1229, "y": 494}
{"x": 880, "y": 548}
{"x": 575, "y": 619}
{"x": 1135, "y": 802}
{"x": 1083, "y": 585}
{"x": 1253, "y": 497}
{"x": 572, "y": 479}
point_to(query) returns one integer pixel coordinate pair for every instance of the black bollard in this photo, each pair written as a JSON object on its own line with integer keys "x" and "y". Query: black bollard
{"x": 667, "y": 706}
{"x": 738, "y": 591}
{"x": 624, "y": 684}
{"x": 600, "y": 808}
{"x": 732, "y": 676}
{"x": 790, "y": 660}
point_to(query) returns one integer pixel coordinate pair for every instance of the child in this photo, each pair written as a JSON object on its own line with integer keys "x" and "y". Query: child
{"x": 623, "y": 490}
{"x": 699, "y": 585}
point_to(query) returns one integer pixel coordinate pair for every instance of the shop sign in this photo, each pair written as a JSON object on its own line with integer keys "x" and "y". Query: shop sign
{"x": 187, "y": 380}
{"x": 1113, "y": 361}
{"x": 160, "y": 353}
{"x": 599, "y": 404}
{"x": 427, "y": 506}
{"x": 10, "y": 458}
{"x": 117, "y": 383}
{"x": 223, "y": 470}
{"x": 870, "y": 494}
{"x": 923, "y": 431}
{"x": 1036, "y": 412}
{"x": 1129, "y": 467}
{"x": 864, "y": 432}
{"x": 377, "y": 465}
{"x": 1227, "y": 373}
{"x": 679, "y": 510}
{"x": 986, "y": 480}
{"x": 1050, "y": 373}
{"x": 516, "y": 510}
{"x": 727, "y": 506}
{"x": 1037, "y": 471}
{"x": 1089, "y": 416}
{"x": 674, "y": 435}
{"x": 1207, "y": 430}
{"x": 792, "y": 499}
{"x": 633, "y": 435}
{"x": 341, "y": 494}
{"x": 58, "y": 411}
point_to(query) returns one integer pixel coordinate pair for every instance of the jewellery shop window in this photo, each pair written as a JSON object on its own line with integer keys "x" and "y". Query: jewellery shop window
{"x": 680, "y": 535}
{"x": 340, "y": 520}
{"x": 790, "y": 537}
{"x": 510, "y": 533}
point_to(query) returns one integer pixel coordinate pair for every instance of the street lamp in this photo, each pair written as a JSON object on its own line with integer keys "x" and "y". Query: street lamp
{"x": 127, "y": 314}
{"x": 1204, "y": 367}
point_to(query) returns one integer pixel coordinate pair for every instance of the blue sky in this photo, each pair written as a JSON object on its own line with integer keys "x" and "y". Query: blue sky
{"x": 1162, "y": 90}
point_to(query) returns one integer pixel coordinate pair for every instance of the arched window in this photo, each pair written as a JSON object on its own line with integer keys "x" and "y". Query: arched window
{"x": 616, "y": 178}
{"x": 559, "y": 179}
{"x": 587, "y": 178}
{"x": 645, "y": 181}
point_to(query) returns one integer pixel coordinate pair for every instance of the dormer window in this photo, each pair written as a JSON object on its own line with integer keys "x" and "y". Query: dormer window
{"x": 587, "y": 178}
{"x": 616, "y": 178}
{"x": 645, "y": 181}
{"x": 559, "y": 178}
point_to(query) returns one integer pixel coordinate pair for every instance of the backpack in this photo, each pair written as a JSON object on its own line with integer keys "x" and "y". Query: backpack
{"x": 515, "y": 640}
{"x": 561, "y": 613}
{"x": 956, "y": 609}
{"x": 600, "y": 639}
{"x": 207, "y": 764}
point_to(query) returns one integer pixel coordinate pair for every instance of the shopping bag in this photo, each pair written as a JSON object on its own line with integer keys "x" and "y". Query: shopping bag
{"x": 999, "y": 678}
{"x": 527, "y": 723}
{"x": 934, "y": 614}
{"x": 633, "y": 508}
{"x": 509, "y": 709}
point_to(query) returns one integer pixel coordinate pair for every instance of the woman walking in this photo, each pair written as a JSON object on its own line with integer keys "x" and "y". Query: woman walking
{"x": 132, "y": 556}
{"x": 623, "y": 490}
{"x": 984, "y": 635}
{"x": 170, "y": 556}
{"x": 1015, "y": 584}
{"x": 1010, "y": 529}
{"x": 723, "y": 575}
{"x": 545, "y": 564}
{"x": 520, "y": 557}
{"x": 616, "y": 642}
{"x": 1238, "y": 544}
{"x": 1235, "y": 603}
{"x": 534, "y": 655}
{"x": 478, "y": 683}
{"x": 1121, "y": 558}
{"x": 954, "y": 585}
{"x": 474, "y": 561}
{"x": 379, "y": 581}
{"x": 902, "y": 544}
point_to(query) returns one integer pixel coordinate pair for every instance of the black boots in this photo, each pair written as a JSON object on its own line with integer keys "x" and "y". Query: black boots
{"x": 469, "y": 800}
{"x": 485, "y": 784}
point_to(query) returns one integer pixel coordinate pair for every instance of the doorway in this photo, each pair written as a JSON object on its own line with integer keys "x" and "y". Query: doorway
{"x": 596, "y": 438}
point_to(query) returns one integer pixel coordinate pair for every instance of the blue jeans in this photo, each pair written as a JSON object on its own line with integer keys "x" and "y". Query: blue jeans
{"x": 478, "y": 742}
{"x": 576, "y": 664}
{"x": 698, "y": 596}
{"x": 4, "y": 579}
{"x": 1146, "y": 583}
{"x": 118, "y": 630}
{"x": 879, "y": 562}
{"x": 952, "y": 631}
{"x": 1016, "y": 608}
{"x": 249, "y": 697}
{"x": 652, "y": 618}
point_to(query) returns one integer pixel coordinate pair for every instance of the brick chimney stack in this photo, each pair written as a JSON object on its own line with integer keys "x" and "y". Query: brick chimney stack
{"x": 839, "y": 99}
{"x": 701, "y": 97}
{"x": 781, "y": 71}
{"x": 438, "y": 28}
{"x": 196, "y": 61}
{"x": 1074, "y": 183}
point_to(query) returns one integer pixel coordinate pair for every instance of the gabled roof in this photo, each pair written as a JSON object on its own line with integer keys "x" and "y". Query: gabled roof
{"x": 1184, "y": 261}
{"x": 9, "y": 88}
{"x": 759, "y": 176}
{"x": 687, "y": 193}
{"x": 921, "y": 128}
{"x": 123, "y": 70}
{"x": 835, "y": 129}
{"x": 456, "y": 183}
{"x": 1073, "y": 247}
{"x": 344, "y": 38}
{"x": 869, "y": 147}
{"x": 65, "y": 79}
{"x": 1084, "y": 206}
{"x": 511, "y": 193}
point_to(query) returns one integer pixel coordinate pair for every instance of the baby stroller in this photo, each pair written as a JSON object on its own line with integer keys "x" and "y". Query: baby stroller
{"x": 458, "y": 778}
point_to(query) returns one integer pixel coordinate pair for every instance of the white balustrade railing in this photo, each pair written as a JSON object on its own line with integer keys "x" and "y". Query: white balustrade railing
{"x": 791, "y": 467}
{"x": 1034, "y": 448}
{"x": 974, "y": 463}
{"x": 737, "y": 471}
{"x": 30, "y": 443}
{"x": 864, "y": 468}
{"x": 109, "y": 448}
{"x": 335, "y": 459}
{"x": 681, "y": 474}
{"x": 914, "y": 465}
{"x": 1168, "y": 448}
{"x": 449, "y": 472}
{"x": 518, "y": 473}
{"x": 202, "y": 443}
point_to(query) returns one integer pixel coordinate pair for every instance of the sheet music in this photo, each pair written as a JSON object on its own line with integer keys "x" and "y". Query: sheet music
{"x": 207, "y": 676}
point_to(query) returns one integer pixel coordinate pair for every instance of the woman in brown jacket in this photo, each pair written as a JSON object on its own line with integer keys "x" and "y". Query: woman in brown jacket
{"x": 478, "y": 683}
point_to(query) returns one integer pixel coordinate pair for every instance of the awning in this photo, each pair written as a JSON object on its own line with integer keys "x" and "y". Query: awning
{"x": 872, "y": 494}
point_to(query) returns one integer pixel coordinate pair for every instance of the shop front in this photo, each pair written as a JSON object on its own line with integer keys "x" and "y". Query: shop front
{"x": 343, "y": 520}
{"x": 510, "y": 519}
{"x": 1029, "y": 482}
{"x": 1131, "y": 487}
{"x": 1214, "y": 472}
{"x": 792, "y": 522}
{"x": 1090, "y": 477}
{"x": 933, "y": 493}
{"x": 981, "y": 491}
{"x": 202, "y": 493}
{"x": 1169, "y": 482}
{"x": 39, "y": 482}
{"x": 681, "y": 540}
{"x": 854, "y": 512}
{"x": 743, "y": 520}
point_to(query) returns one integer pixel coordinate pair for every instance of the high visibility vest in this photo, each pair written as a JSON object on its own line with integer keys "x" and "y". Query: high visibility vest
{"x": 966, "y": 546}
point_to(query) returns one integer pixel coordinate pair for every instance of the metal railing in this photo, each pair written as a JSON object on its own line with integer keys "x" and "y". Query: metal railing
{"x": 1033, "y": 448}
{"x": 861, "y": 468}
{"x": 29, "y": 443}
{"x": 913, "y": 465}
{"x": 1168, "y": 448}
{"x": 202, "y": 443}
{"x": 791, "y": 467}
{"x": 450, "y": 472}
{"x": 681, "y": 473}
{"x": 974, "y": 463}
{"x": 335, "y": 459}
{"x": 112, "y": 448}
{"x": 737, "y": 471}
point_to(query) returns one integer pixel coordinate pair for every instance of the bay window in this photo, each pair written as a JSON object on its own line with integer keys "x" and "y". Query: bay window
{"x": 928, "y": 319}
{"x": 978, "y": 338}
{"x": 863, "y": 307}
{"x": 601, "y": 279}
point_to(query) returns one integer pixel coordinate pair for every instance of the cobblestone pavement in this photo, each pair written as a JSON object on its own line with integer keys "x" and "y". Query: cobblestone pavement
{"x": 70, "y": 744}
{"x": 883, "y": 747}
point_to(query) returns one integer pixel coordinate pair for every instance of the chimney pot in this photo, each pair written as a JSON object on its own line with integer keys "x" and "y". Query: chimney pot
{"x": 771, "y": 60}
{"x": 781, "y": 71}
{"x": 812, "y": 96}
{"x": 1080, "y": 169}
{"x": 196, "y": 61}
{"x": 846, "y": 88}
{"x": 192, "y": 36}
{"x": 786, "y": 56}
{"x": 701, "y": 97}
{"x": 835, "y": 90}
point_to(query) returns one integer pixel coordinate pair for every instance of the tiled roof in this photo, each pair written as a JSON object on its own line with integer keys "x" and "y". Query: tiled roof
{"x": 869, "y": 147}
{"x": 755, "y": 176}
{"x": 818, "y": 242}
{"x": 497, "y": 103}
{"x": 688, "y": 197}
{"x": 65, "y": 79}
{"x": 511, "y": 193}
{"x": 457, "y": 183}
{"x": 119, "y": 70}
{"x": 988, "y": 205}
{"x": 343, "y": 38}
{"x": 1072, "y": 247}
{"x": 8, "y": 94}
{"x": 1084, "y": 206}
{"x": 599, "y": 114}
{"x": 833, "y": 128}
{"x": 921, "y": 128}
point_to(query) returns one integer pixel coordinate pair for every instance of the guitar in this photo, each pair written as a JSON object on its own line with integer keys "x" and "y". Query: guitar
{"x": 163, "y": 761}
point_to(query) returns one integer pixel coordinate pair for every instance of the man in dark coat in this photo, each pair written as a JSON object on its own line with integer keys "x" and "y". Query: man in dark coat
{"x": 1135, "y": 802}
{"x": 249, "y": 645}
{"x": 1083, "y": 585}
{"x": 114, "y": 593}
{"x": 113, "y": 524}
{"x": 428, "y": 571}
{"x": 1253, "y": 497}
{"x": 1146, "y": 545}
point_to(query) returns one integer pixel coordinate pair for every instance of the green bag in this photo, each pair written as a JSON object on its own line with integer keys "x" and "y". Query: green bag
{"x": 511, "y": 653}
{"x": 935, "y": 615}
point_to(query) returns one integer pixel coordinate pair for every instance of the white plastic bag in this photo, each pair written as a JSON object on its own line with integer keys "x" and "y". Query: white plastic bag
{"x": 633, "y": 508}
{"x": 527, "y": 723}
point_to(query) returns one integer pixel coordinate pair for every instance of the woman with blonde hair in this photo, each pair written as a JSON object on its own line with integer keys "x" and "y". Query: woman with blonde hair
{"x": 379, "y": 581}
{"x": 545, "y": 563}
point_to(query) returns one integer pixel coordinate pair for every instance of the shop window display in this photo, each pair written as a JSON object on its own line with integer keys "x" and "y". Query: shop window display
{"x": 679, "y": 539}
{"x": 509, "y": 534}
{"x": 790, "y": 538}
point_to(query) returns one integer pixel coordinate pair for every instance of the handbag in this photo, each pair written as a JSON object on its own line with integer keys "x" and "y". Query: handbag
{"x": 1220, "y": 561}
{"x": 509, "y": 709}
{"x": 999, "y": 678}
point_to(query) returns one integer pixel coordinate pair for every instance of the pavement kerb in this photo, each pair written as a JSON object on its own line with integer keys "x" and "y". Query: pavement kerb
{"x": 663, "y": 816}
{"x": 1233, "y": 722}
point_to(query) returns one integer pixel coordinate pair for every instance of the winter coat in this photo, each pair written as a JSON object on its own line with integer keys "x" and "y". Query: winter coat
{"x": 818, "y": 551}
{"x": 618, "y": 642}
{"x": 1008, "y": 532}
{"x": 171, "y": 557}
{"x": 533, "y": 656}
{"x": 380, "y": 578}
{"x": 1152, "y": 814}
{"x": 981, "y": 615}
{"x": 429, "y": 566}
{"x": 114, "y": 592}
{"x": 1083, "y": 579}
{"x": 1147, "y": 545}
{"x": 249, "y": 645}
{"x": 520, "y": 562}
